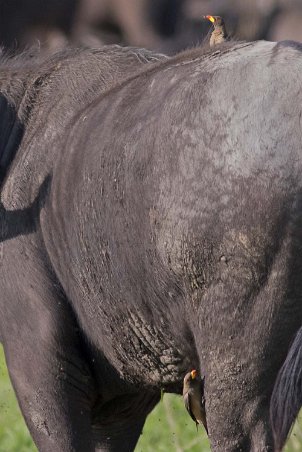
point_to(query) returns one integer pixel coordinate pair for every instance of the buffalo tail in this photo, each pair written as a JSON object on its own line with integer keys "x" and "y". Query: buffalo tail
{"x": 286, "y": 399}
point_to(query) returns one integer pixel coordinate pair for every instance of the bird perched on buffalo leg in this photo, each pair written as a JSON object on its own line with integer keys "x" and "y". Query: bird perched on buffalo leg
{"x": 193, "y": 395}
{"x": 219, "y": 33}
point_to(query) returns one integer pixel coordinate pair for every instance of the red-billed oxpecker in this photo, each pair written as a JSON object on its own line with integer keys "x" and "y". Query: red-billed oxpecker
{"x": 219, "y": 33}
{"x": 193, "y": 395}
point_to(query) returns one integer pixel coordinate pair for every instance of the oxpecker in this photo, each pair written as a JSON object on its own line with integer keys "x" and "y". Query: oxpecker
{"x": 219, "y": 33}
{"x": 193, "y": 395}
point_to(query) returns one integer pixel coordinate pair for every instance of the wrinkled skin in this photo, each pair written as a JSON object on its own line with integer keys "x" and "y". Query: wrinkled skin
{"x": 150, "y": 230}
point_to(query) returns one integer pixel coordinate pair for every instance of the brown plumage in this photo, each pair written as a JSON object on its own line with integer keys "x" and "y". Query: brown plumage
{"x": 219, "y": 33}
{"x": 193, "y": 396}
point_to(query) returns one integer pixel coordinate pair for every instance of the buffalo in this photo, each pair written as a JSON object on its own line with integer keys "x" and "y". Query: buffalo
{"x": 151, "y": 219}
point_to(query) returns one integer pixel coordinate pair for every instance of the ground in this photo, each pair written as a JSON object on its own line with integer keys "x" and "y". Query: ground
{"x": 168, "y": 429}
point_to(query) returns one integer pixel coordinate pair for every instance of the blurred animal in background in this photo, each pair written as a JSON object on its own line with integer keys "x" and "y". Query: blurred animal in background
{"x": 193, "y": 396}
{"x": 55, "y": 24}
{"x": 165, "y": 25}
{"x": 117, "y": 21}
{"x": 219, "y": 34}
{"x": 23, "y": 22}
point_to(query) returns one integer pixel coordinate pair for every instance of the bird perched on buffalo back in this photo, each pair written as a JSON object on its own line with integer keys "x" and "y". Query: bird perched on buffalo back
{"x": 193, "y": 395}
{"x": 219, "y": 33}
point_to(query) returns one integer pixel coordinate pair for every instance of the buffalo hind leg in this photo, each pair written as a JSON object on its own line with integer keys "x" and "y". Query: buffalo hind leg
{"x": 51, "y": 379}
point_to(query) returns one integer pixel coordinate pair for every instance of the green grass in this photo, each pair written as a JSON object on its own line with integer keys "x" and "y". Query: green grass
{"x": 168, "y": 429}
{"x": 14, "y": 436}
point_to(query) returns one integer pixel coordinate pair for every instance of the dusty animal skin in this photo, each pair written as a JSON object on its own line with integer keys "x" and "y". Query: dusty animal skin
{"x": 151, "y": 224}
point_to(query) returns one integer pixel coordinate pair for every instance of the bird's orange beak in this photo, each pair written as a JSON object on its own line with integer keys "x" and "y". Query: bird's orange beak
{"x": 210, "y": 18}
{"x": 193, "y": 374}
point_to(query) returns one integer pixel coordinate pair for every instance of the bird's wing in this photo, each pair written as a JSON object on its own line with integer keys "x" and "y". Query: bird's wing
{"x": 188, "y": 404}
